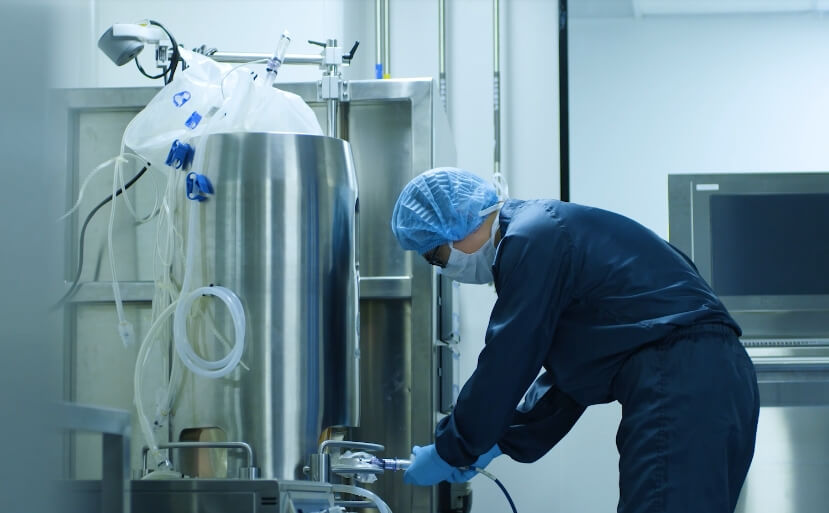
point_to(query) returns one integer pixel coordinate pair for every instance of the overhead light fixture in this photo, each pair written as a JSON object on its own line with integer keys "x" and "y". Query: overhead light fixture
{"x": 703, "y": 7}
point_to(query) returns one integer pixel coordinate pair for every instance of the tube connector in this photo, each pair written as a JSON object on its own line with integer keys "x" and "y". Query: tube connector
{"x": 275, "y": 62}
{"x": 391, "y": 464}
{"x": 127, "y": 333}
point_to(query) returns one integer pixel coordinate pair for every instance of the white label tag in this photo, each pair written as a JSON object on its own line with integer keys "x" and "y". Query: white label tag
{"x": 708, "y": 186}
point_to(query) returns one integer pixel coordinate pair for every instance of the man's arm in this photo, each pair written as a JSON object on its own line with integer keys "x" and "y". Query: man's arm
{"x": 534, "y": 281}
{"x": 540, "y": 421}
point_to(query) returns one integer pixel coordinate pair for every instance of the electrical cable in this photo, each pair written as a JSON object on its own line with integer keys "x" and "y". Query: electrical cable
{"x": 171, "y": 69}
{"x": 92, "y": 175}
{"x": 500, "y": 485}
{"x": 141, "y": 69}
{"x": 77, "y": 280}
{"x": 168, "y": 72}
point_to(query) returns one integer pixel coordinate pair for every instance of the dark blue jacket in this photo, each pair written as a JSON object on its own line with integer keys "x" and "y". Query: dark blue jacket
{"x": 579, "y": 290}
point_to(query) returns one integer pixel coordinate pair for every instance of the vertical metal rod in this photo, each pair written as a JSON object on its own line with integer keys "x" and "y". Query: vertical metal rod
{"x": 115, "y": 485}
{"x": 332, "y": 111}
{"x": 442, "y": 53}
{"x": 496, "y": 87}
{"x": 378, "y": 39}
{"x": 386, "y": 41}
{"x": 563, "y": 102}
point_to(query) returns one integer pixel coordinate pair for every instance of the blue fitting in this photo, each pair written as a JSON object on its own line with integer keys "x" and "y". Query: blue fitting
{"x": 378, "y": 71}
{"x": 193, "y": 121}
{"x": 180, "y": 156}
{"x": 197, "y": 186}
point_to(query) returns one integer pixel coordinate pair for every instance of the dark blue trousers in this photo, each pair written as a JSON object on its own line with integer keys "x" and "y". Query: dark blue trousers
{"x": 689, "y": 421}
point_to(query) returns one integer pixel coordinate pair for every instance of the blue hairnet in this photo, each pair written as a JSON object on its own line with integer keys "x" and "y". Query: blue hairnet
{"x": 439, "y": 206}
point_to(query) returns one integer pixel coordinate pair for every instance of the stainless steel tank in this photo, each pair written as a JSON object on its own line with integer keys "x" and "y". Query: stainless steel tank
{"x": 280, "y": 232}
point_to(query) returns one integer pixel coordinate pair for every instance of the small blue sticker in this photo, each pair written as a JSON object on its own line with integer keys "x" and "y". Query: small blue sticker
{"x": 181, "y": 98}
{"x": 193, "y": 121}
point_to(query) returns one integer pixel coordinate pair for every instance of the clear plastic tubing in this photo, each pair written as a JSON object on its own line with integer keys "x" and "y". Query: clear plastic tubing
{"x": 362, "y": 492}
{"x": 197, "y": 364}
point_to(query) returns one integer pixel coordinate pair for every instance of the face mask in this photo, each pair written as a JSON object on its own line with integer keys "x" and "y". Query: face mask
{"x": 473, "y": 267}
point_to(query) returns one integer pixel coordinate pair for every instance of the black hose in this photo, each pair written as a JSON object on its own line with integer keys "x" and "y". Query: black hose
{"x": 77, "y": 280}
{"x": 506, "y": 493}
{"x": 500, "y": 485}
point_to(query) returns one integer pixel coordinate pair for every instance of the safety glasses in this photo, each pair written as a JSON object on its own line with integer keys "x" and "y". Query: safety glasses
{"x": 432, "y": 257}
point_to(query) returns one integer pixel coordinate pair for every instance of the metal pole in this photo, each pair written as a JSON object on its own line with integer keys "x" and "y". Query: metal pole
{"x": 386, "y": 44}
{"x": 250, "y": 57}
{"x": 332, "y": 104}
{"x": 563, "y": 102}
{"x": 496, "y": 88}
{"x": 332, "y": 114}
{"x": 378, "y": 38}
{"x": 442, "y": 53}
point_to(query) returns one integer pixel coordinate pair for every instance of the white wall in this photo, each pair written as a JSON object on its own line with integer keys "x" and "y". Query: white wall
{"x": 652, "y": 96}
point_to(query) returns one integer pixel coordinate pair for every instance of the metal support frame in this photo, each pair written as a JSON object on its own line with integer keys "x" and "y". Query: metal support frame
{"x": 371, "y": 287}
{"x": 331, "y": 88}
{"x": 496, "y": 89}
{"x": 563, "y": 102}
{"x": 386, "y": 41}
{"x": 404, "y": 288}
{"x": 442, "y": 54}
{"x": 115, "y": 426}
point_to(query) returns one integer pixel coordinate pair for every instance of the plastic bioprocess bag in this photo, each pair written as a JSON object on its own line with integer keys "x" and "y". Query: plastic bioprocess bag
{"x": 211, "y": 97}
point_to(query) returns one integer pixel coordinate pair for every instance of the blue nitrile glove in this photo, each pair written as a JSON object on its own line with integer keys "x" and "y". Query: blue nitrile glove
{"x": 485, "y": 458}
{"x": 428, "y": 468}
{"x": 462, "y": 476}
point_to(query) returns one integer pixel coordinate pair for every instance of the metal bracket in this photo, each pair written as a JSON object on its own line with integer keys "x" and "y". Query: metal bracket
{"x": 247, "y": 472}
{"x": 333, "y": 88}
{"x": 116, "y": 427}
{"x": 320, "y": 467}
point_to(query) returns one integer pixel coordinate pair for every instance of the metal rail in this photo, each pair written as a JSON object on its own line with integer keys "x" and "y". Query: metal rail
{"x": 248, "y": 472}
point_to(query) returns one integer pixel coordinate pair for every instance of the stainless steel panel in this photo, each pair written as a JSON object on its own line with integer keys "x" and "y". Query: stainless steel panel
{"x": 114, "y": 425}
{"x": 384, "y": 287}
{"x": 392, "y": 287}
{"x": 230, "y": 496}
{"x": 382, "y": 172}
{"x": 207, "y": 496}
{"x": 791, "y": 457}
{"x": 280, "y": 233}
{"x": 391, "y": 125}
{"x": 791, "y": 462}
{"x": 386, "y": 395}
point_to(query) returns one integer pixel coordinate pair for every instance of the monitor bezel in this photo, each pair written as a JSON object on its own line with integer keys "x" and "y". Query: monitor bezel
{"x": 804, "y": 315}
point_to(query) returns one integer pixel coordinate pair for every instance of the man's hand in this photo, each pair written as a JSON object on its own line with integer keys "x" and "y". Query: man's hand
{"x": 428, "y": 468}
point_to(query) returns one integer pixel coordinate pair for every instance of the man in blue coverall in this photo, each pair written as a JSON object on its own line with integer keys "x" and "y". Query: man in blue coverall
{"x": 608, "y": 311}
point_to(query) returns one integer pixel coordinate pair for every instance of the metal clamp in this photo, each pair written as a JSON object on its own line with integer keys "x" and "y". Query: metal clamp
{"x": 321, "y": 462}
{"x": 247, "y": 472}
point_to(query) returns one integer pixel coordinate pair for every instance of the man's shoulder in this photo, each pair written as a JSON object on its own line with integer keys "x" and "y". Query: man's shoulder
{"x": 533, "y": 218}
